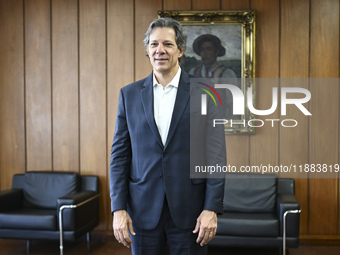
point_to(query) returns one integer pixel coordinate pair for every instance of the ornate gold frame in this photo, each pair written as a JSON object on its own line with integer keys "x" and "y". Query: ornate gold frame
{"x": 246, "y": 20}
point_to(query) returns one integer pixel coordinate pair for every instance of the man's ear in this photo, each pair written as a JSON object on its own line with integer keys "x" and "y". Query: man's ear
{"x": 181, "y": 53}
{"x": 147, "y": 52}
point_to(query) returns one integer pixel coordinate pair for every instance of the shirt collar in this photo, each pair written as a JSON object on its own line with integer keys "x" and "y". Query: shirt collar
{"x": 174, "y": 82}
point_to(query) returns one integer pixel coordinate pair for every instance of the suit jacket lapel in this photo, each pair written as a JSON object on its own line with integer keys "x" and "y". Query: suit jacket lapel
{"x": 147, "y": 101}
{"x": 182, "y": 99}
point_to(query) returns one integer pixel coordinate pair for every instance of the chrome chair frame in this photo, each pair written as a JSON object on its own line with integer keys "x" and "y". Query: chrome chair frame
{"x": 61, "y": 209}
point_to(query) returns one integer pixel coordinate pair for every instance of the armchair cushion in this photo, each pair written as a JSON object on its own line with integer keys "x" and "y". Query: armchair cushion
{"x": 248, "y": 224}
{"x": 43, "y": 189}
{"x": 250, "y": 193}
{"x": 28, "y": 218}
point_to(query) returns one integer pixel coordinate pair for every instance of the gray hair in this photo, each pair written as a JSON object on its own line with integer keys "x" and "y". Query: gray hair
{"x": 181, "y": 39}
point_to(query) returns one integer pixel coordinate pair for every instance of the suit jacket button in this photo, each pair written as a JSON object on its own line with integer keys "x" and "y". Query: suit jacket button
{"x": 165, "y": 154}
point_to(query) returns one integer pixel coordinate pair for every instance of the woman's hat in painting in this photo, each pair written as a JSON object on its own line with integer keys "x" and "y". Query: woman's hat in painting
{"x": 208, "y": 38}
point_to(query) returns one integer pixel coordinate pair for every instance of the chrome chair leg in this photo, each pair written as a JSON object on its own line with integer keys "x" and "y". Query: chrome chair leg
{"x": 61, "y": 231}
{"x": 88, "y": 239}
{"x": 284, "y": 228}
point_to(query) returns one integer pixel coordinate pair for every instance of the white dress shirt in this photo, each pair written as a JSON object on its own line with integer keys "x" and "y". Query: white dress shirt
{"x": 163, "y": 104}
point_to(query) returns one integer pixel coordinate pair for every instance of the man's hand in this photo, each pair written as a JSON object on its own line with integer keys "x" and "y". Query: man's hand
{"x": 206, "y": 227}
{"x": 122, "y": 225}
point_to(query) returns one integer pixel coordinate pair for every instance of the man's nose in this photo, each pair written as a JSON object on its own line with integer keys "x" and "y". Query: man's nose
{"x": 160, "y": 49}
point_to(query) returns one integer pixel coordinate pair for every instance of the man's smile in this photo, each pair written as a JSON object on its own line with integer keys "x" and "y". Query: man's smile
{"x": 160, "y": 58}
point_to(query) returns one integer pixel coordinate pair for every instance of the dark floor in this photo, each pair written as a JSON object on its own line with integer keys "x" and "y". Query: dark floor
{"x": 102, "y": 244}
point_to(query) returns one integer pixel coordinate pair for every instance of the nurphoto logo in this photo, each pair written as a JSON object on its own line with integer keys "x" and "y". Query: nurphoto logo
{"x": 238, "y": 104}
{"x": 204, "y": 97}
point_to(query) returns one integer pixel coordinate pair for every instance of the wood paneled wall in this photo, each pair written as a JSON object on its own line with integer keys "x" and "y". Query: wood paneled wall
{"x": 62, "y": 63}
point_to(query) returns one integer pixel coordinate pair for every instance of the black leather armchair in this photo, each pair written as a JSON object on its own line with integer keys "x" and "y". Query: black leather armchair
{"x": 256, "y": 207}
{"x": 49, "y": 205}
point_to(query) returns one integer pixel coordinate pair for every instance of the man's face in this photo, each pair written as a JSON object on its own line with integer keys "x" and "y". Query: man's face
{"x": 208, "y": 53}
{"x": 163, "y": 51}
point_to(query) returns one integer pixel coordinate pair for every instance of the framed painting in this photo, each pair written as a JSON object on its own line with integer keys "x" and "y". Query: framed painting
{"x": 221, "y": 47}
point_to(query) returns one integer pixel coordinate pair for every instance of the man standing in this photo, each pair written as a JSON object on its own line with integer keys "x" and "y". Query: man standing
{"x": 154, "y": 201}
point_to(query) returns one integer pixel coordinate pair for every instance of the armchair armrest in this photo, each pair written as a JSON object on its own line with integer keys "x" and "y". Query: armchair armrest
{"x": 288, "y": 202}
{"x": 81, "y": 208}
{"x": 84, "y": 210}
{"x": 76, "y": 198}
{"x": 10, "y": 199}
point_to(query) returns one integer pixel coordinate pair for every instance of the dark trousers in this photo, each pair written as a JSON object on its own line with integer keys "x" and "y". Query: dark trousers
{"x": 166, "y": 237}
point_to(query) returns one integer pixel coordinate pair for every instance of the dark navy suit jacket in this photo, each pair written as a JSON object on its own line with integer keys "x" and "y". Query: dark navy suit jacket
{"x": 143, "y": 171}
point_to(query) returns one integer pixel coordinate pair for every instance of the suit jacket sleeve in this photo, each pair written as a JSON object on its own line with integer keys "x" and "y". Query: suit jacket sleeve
{"x": 216, "y": 155}
{"x": 120, "y": 160}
